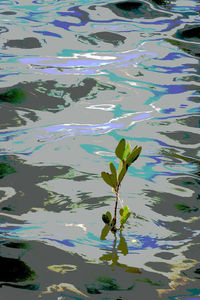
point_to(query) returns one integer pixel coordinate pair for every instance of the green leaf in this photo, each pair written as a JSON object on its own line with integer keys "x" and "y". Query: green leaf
{"x": 126, "y": 209}
{"x": 120, "y": 148}
{"x": 124, "y": 218}
{"x": 105, "y": 218}
{"x": 104, "y": 232}
{"x": 108, "y": 214}
{"x": 113, "y": 170}
{"x": 114, "y": 181}
{"x": 134, "y": 155}
{"x": 107, "y": 178}
{"x": 120, "y": 167}
{"x": 121, "y": 211}
{"x": 127, "y": 151}
{"x": 122, "y": 173}
{"x": 126, "y": 214}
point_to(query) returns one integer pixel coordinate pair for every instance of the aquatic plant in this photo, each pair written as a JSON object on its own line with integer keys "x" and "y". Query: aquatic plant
{"x": 127, "y": 157}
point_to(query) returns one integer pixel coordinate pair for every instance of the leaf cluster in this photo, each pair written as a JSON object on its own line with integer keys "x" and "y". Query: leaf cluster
{"x": 127, "y": 157}
{"x": 114, "y": 178}
{"x": 108, "y": 220}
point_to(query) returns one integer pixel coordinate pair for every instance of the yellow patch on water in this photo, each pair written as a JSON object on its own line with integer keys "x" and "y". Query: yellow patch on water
{"x": 60, "y": 288}
{"x": 62, "y": 268}
{"x": 134, "y": 241}
{"x": 178, "y": 264}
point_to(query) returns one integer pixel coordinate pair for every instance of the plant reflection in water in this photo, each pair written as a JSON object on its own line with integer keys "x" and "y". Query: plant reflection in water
{"x": 121, "y": 246}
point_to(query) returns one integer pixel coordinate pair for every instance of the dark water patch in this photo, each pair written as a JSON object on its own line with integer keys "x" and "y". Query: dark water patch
{"x": 8, "y": 13}
{"x": 53, "y": 97}
{"x": 191, "y": 48}
{"x": 58, "y": 268}
{"x": 165, "y": 255}
{"x": 141, "y": 286}
{"x": 159, "y": 266}
{"x": 28, "y": 193}
{"x": 189, "y": 182}
{"x": 17, "y": 245}
{"x": 49, "y": 94}
{"x": 57, "y": 203}
{"x": 104, "y": 283}
{"x": 183, "y": 137}
{"x": 86, "y": 89}
{"x": 189, "y": 33}
{"x": 182, "y": 232}
{"x": 26, "y": 43}
{"x": 195, "y": 99}
{"x": 193, "y": 273}
{"x": 91, "y": 202}
{"x": 163, "y": 2}
{"x": 15, "y": 270}
{"x": 192, "y": 254}
{"x": 153, "y": 283}
{"x": 174, "y": 205}
{"x": 87, "y": 40}
{"x": 32, "y": 287}
{"x": 179, "y": 157}
{"x": 188, "y": 78}
{"x": 185, "y": 208}
{"x": 10, "y": 118}
{"x": 107, "y": 37}
{"x": 192, "y": 250}
{"x": 76, "y": 176}
{"x": 128, "y": 5}
{"x": 135, "y": 9}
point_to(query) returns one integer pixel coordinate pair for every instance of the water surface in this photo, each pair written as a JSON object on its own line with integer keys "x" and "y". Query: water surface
{"x": 75, "y": 78}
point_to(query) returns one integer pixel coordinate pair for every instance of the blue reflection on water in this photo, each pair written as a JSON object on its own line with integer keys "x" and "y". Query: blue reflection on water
{"x": 48, "y": 33}
{"x": 196, "y": 298}
{"x": 65, "y": 242}
{"x": 168, "y": 110}
{"x": 32, "y": 136}
{"x": 140, "y": 242}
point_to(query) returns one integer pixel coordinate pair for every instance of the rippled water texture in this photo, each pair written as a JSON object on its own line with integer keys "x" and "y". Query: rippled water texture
{"x": 76, "y": 77}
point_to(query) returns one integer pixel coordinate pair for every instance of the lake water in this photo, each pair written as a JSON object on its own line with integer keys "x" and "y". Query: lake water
{"x": 76, "y": 77}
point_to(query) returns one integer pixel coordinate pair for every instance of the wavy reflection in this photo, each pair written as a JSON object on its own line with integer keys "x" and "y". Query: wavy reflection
{"x": 32, "y": 139}
{"x": 86, "y": 63}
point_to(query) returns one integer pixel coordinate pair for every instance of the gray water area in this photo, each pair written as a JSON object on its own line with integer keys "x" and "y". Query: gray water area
{"x": 75, "y": 78}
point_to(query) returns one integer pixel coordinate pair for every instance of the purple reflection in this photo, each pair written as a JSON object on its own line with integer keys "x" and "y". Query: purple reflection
{"x": 27, "y": 139}
{"x": 91, "y": 62}
{"x": 142, "y": 116}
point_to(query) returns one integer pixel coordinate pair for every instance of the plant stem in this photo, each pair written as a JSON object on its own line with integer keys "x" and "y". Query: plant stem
{"x": 116, "y": 202}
